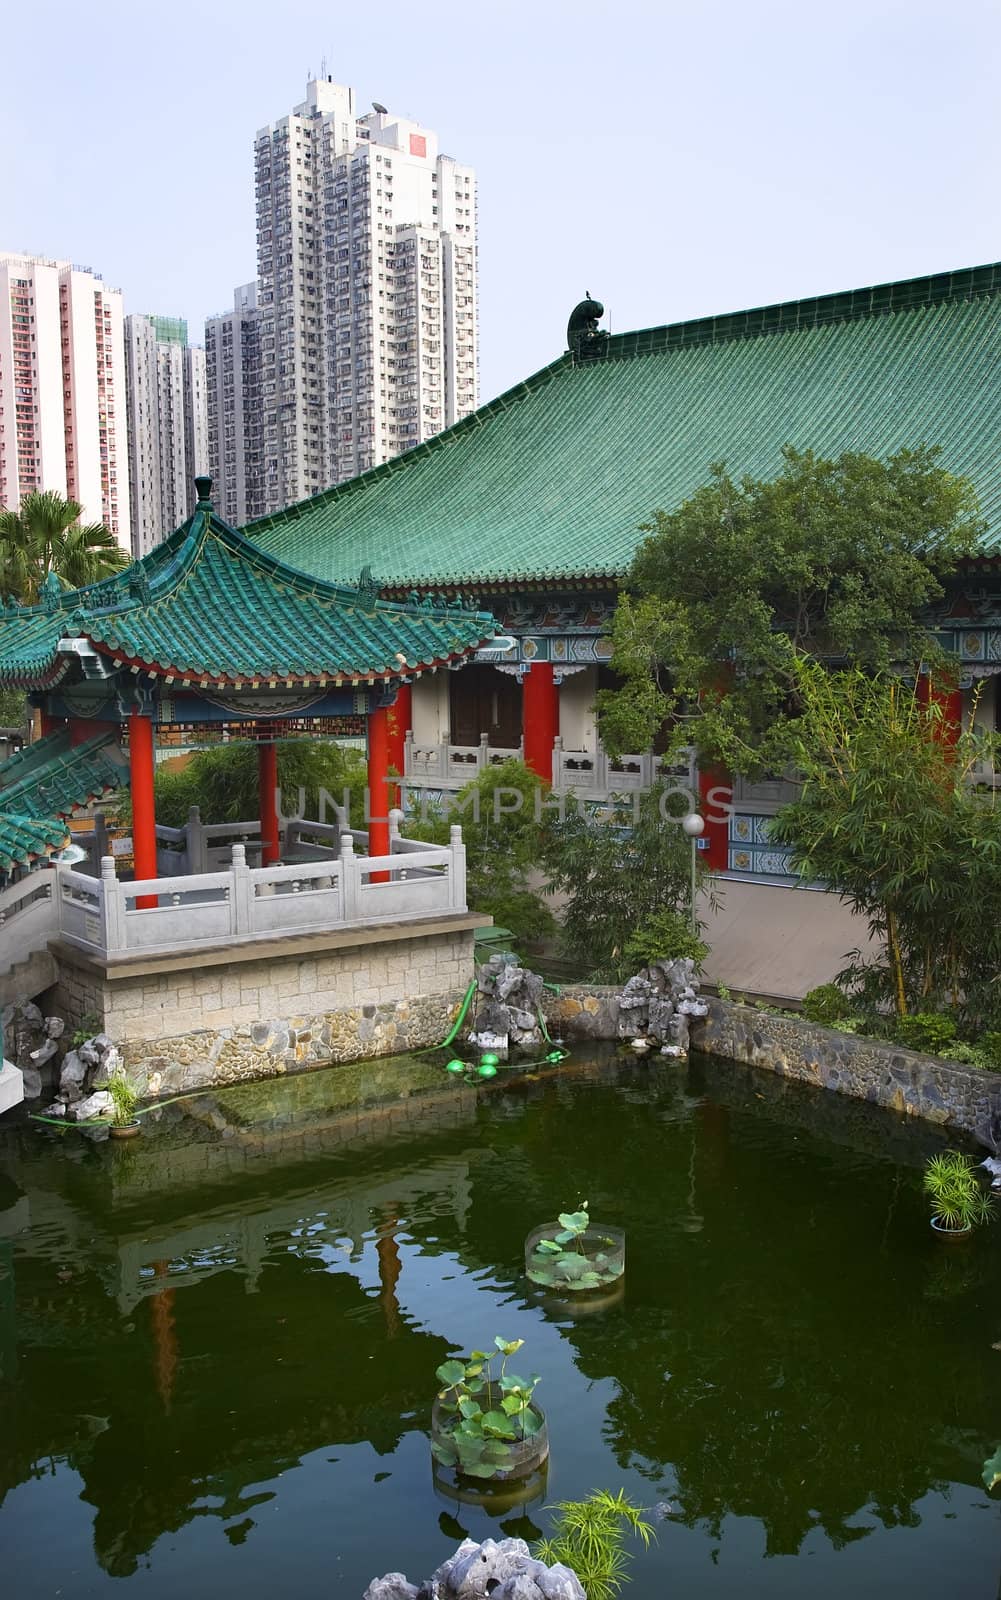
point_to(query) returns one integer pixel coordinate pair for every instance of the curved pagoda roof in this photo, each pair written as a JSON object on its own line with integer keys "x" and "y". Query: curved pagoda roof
{"x": 208, "y": 608}
{"x": 551, "y": 481}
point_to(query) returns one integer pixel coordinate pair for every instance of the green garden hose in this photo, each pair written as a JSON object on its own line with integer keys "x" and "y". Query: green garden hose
{"x": 456, "y": 1025}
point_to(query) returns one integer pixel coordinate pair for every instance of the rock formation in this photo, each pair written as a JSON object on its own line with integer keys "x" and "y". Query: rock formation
{"x": 502, "y": 1570}
{"x": 657, "y": 1005}
{"x": 507, "y": 1006}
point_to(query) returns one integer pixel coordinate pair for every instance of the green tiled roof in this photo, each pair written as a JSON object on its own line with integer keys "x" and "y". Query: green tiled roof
{"x": 24, "y": 839}
{"x": 552, "y": 480}
{"x": 207, "y": 606}
{"x": 53, "y": 778}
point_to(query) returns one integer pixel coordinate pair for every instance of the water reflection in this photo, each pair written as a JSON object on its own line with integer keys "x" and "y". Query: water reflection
{"x": 265, "y": 1283}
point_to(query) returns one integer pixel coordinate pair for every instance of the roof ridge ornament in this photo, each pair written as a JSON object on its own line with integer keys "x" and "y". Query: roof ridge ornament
{"x": 51, "y": 591}
{"x": 139, "y": 587}
{"x": 585, "y": 340}
{"x": 203, "y": 490}
{"x": 368, "y": 589}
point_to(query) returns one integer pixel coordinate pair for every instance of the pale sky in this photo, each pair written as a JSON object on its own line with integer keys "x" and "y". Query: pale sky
{"x": 675, "y": 159}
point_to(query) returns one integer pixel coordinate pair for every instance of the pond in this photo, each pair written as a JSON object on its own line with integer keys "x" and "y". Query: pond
{"x": 218, "y": 1342}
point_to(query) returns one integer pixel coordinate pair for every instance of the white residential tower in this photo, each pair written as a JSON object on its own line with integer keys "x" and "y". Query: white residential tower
{"x": 235, "y": 421}
{"x": 367, "y": 270}
{"x": 62, "y": 389}
{"x": 168, "y": 428}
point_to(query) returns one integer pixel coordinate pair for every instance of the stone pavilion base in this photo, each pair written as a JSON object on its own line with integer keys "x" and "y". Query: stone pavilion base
{"x": 187, "y": 1021}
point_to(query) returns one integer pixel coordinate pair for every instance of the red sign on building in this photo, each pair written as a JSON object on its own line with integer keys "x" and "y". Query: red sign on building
{"x": 418, "y": 145}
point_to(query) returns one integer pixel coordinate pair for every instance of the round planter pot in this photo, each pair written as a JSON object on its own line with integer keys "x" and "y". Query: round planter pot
{"x": 950, "y": 1233}
{"x": 124, "y": 1130}
{"x": 590, "y": 1264}
{"x": 586, "y": 1303}
{"x": 496, "y": 1499}
{"x": 521, "y": 1457}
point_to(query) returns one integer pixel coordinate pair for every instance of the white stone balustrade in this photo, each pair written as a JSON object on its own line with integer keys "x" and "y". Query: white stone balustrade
{"x": 239, "y": 904}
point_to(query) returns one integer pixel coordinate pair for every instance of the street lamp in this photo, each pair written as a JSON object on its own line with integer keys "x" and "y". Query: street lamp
{"x": 694, "y": 826}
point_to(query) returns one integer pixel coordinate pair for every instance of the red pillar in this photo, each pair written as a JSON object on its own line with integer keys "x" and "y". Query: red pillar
{"x": 715, "y": 799}
{"x": 47, "y": 723}
{"x": 378, "y": 789}
{"x": 540, "y": 718}
{"x": 141, "y": 766}
{"x": 267, "y": 789}
{"x": 401, "y": 721}
{"x": 951, "y": 702}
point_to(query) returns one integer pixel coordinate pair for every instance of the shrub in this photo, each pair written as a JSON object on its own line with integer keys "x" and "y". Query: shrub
{"x": 589, "y": 1535}
{"x": 616, "y": 869}
{"x": 502, "y": 845}
{"x": 664, "y": 935}
{"x": 928, "y": 1031}
{"x": 827, "y": 1005}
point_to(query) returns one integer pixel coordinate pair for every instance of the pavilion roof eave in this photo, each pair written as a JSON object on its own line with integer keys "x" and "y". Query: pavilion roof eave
{"x": 209, "y": 608}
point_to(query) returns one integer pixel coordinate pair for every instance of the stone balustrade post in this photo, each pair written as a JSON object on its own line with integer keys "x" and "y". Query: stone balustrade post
{"x": 395, "y": 821}
{"x": 457, "y": 870}
{"x": 112, "y": 907}
{"x": 241, "y": 893}
{"x": 350, "y": 879}
{"x": 194, "y": 842}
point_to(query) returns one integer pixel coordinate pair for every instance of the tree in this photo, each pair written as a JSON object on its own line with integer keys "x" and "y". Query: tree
{"x": 616, "y": 870}
{"x": 891, "y": 818}
{"x": 223, "y": 782}
{"x": 838, "y": 559}
{"x": 46, "y": 535}
{"x": 502, "y": 820}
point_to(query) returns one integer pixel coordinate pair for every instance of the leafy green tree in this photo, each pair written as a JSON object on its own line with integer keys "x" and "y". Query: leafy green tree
{"x": 502, "y": 816}
{"x": 837, "y": 559}
{"x": 46, "y": 535}
{"x": 891, "y": 818}
{"x": 616, "y": 870}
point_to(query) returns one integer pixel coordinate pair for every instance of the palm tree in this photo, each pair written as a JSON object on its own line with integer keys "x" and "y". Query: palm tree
{"x": 45, "y": 536}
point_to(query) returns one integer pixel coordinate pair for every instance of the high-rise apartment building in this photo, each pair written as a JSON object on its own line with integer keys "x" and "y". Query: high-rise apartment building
{"x": 235, "y": 420}
{"x": 62, "y": 389}
{"x": 367, "y": 271}
{"x": 168, "y": 426}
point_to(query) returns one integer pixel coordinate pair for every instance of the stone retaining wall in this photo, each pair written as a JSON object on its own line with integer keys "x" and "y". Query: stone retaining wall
{"x": 195, "y": 1026}
{"x": 942, "y": 1092}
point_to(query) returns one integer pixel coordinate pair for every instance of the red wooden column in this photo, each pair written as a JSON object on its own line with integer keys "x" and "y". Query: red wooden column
{"x": 540, "y": 718}
{"x": 951, "y": 702}
{"x": 715, "y": 800}
{"x": 401, "y": 720}
{"x": 141, "y": 767}
{"x": 378, "y": 789}
{"x": 267, "y": 791}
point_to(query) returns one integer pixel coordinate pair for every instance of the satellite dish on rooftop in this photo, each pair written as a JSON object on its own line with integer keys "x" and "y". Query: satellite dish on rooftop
{"x": 377, "y": 107}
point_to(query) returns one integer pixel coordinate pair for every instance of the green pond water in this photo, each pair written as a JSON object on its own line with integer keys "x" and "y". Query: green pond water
{"x": 218, "y": 1342}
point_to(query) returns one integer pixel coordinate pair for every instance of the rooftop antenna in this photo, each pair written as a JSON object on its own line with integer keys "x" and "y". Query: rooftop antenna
{"x": 378, "y": 106}
{"x": 323, "y": 66}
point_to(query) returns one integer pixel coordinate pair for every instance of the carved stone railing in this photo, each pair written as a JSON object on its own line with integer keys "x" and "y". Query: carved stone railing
{"x": 451, "y": 765}
{"x": 240, "y": 904}
{"x": 594, "y": 772}
{"x": 28, "y": 916}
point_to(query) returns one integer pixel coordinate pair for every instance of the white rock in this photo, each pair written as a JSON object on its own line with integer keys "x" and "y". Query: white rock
{"x": 95, "y": 1105}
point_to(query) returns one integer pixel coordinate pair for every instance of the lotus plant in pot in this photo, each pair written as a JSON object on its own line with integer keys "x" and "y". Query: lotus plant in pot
{"x": 574, "y": 1254}
{"x": 485, "y": 1423}
{"x": 124, "y": 1098}
{"x": 958, "y": 1200}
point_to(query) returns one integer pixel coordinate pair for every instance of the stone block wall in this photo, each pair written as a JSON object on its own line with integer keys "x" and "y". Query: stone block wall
{"x": 944, "y": 1092}
{"x": 253, "y": 1017}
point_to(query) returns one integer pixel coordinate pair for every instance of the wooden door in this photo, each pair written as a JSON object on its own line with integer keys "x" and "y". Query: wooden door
{"x": 483, "y": 700}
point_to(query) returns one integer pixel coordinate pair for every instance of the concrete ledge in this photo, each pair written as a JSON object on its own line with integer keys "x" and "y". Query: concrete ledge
{"x": 302, "y": 944}
{"x": 947, "y": 1093}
